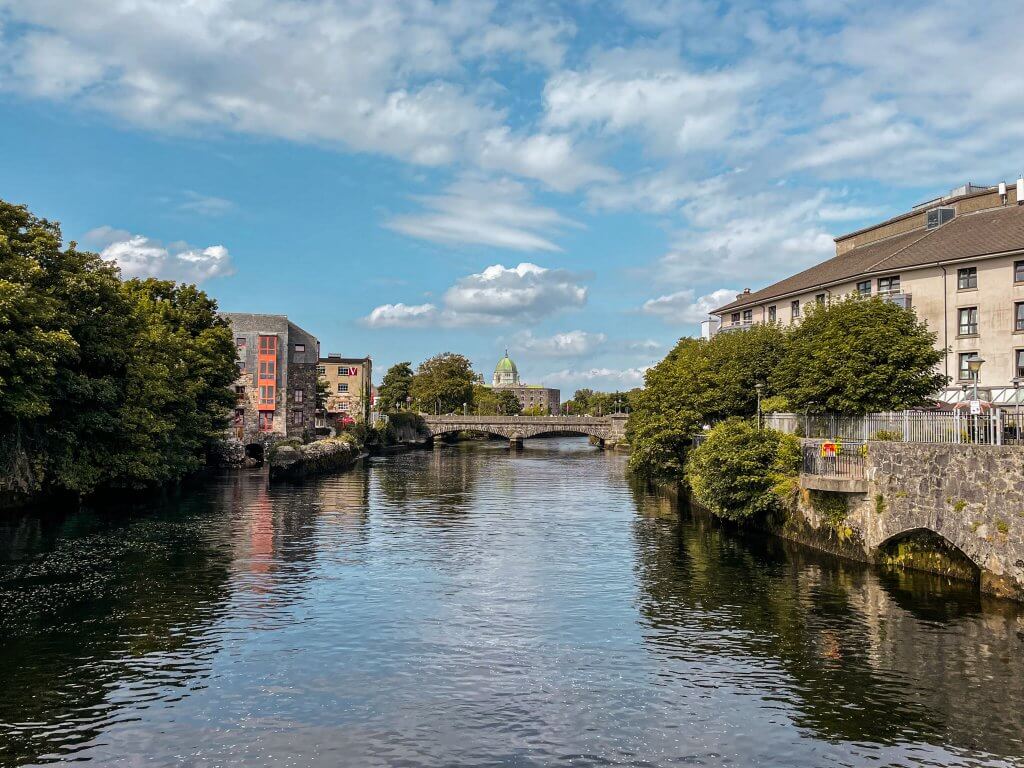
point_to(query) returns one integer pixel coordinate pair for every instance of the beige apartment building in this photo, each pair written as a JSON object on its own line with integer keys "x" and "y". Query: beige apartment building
{"x": 348, "y": 385}
{"x": 957, "y": 261}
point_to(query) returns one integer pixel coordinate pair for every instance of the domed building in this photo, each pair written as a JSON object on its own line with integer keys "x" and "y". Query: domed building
{"x": 530, "y": 396}
{"x": 505, "y": 373}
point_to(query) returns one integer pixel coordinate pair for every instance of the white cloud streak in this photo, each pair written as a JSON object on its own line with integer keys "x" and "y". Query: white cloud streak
{"x": 139, "y": 256}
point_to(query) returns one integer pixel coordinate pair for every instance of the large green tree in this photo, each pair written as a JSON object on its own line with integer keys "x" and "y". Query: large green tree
{"x": 444, "y": 382}
{"x": 177, "y": 388}
{"x": 394, "y": 387}
{"x": 102, "y": 383}
{"x": 858, "y": 355}
{"x": 699, "y": 382}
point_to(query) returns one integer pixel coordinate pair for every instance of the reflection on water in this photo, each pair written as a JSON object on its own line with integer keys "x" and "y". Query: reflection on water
{"x": 468, "y": 606}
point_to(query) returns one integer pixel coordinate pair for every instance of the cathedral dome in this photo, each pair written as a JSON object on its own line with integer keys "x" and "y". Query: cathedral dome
{"x": 505, "y": 372}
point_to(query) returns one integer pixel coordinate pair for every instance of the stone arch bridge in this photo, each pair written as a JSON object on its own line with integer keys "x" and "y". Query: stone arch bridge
{"x": 609, "y": 430}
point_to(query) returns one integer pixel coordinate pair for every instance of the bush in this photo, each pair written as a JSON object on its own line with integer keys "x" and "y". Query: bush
{"x": 887, "y": 435}
{"x": 740, "y": 472}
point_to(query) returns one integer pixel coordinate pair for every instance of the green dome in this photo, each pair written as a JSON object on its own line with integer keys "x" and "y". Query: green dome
{"x": 505, "y": 365}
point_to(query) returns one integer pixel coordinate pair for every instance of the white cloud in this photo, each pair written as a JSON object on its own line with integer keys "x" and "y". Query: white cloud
{"x": 599, "y": 378}
{"x": 387, "y": 77}
{"x": 522, "y": 294}
{"x": 205, "y": 205}
{"x": 139, "y": 256}
{"x": 495, "y": 213}
{"x": 682, "y": 307}
{"x": 678, "y": 110}
{"x": 566, "y": 344}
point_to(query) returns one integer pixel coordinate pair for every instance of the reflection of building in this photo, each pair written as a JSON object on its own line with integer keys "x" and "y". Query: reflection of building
{"x": 276, "y": 385}
{"x": 349, "y": 383}
{"x": 506, "y": 377}
{"x": 957, "y": 260}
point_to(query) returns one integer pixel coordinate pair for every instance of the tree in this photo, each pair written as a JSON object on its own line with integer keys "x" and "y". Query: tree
{"x": 444, "y": 382}
{"x": 508, "y": 403}
{"x": 535, "y": 410}
{"x": 858, "y": 355}
{"x": 741, "y": 472}
{"x": 177, "y": 393}
{"x": 699, "y": 382}
{"x": 394, "y": 387}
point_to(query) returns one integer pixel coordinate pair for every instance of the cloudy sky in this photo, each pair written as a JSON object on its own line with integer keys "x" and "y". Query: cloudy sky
{"x": 577, "y": 181}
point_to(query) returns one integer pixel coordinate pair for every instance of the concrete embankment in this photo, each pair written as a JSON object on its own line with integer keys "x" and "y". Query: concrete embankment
{"x": 292, "y": 462}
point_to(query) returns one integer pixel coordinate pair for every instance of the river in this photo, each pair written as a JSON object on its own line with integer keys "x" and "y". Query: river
{"x": 471, "y": 607}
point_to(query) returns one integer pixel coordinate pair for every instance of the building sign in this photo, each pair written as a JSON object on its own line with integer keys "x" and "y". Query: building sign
{"x": 975, "y": 407}
{"x": 829, "y": 450}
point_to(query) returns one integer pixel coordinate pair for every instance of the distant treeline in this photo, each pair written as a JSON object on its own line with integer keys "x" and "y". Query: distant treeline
{"x": 104, "y": 383}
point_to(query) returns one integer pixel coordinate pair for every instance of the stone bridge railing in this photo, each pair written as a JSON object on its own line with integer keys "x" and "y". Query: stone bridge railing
{"x": 610, "y": 429}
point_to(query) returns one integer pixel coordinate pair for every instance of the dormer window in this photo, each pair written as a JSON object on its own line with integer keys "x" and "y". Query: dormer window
{"x": 939, "y": 216}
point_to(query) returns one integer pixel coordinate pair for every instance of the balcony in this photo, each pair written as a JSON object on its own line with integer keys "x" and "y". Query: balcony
{"x": 744, "y": 326}
{"x": 899, "y": 299}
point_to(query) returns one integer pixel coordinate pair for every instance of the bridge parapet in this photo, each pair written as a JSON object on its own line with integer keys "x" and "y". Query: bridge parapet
{"x": 608, "y": 429}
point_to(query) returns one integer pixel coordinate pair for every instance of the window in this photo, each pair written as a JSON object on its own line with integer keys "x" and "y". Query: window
{"x": 735, "y": 318}
{"x": 889, "y": 284}
{"x": 748, "y": 315}
{"x": 1018, "y": 271}
{"x": 239, "y": 391}
{"x": 342, "y": 370}
{"x": 241, "y": 366}
{"x": 820, "y": 298}
{"x": 268, "y": 369}
{"x": 300, "y": 347}
{"x": 266, "y": 421}
{"x": 772, "y": 313}
{"x": 321, "y": 370}
{"x": 794, "y": 307}
{"x": 299, "y": 395}
{"x": 1020, "y": 363}
{"x": 939, "y": 216}
{"x": 1018, "y": 316}
{"x": 297, "y": 417}
{"x": 240, "y": 342}
{"x": 967, "y": 277}
{"x": 268, "y": 345}
{"x": 864, "y": 287}
{"x": 963, "y": 372}
{"x": 968, "y": 325}
{"x": 267, "y": 395}
{"x": 343, "y": 387}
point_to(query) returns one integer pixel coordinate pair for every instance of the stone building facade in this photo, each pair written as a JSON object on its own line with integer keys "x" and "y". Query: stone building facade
{"x": 957, "y": 261}
{"x": 349, "y": 385}
{"x": 277, "y": 374}
{"x": 506, "y": 377}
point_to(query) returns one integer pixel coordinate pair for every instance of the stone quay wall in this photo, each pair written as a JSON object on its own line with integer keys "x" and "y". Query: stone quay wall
{"x": 970, "y": 495}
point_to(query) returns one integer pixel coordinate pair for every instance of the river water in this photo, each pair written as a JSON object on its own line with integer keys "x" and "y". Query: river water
{"x": 471, "y": 607}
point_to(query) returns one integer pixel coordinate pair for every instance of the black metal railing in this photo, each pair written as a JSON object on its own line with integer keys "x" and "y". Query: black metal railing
{"x": 833, "y": 459}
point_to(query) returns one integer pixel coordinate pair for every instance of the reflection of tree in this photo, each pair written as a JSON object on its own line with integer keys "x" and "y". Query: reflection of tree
{"x": 94, "y": 604}
{"x": 865, "y": 661}
{"x": 442, "y": 481}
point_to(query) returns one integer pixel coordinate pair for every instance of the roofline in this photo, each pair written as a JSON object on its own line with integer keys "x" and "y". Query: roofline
{"x": 927, "y": 205}
{"x": 876, "y": 272}
{"x": 339, "y": 359}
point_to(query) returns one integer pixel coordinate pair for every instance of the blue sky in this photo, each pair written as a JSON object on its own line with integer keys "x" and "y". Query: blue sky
{"x": 576, "y": 181}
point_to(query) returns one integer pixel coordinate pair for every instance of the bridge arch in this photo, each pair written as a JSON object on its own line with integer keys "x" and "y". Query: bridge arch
{"x": 923, "y": 548}
{"x": 519, "y": 428}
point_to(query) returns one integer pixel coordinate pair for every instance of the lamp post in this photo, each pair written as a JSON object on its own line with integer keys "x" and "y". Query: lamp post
{"x": 464, "y": 411}
{"x": 1016, "y": 405}
{"x": 408, "y": 402}
{"x": 758, "y": 386}
{"x": 974, "y": 366}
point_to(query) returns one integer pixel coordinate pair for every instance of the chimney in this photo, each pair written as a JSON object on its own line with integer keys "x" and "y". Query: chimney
{"x": 1020, "y": 191}
{"x": 746, "y": 292}
{"x": 1002, "y": 192}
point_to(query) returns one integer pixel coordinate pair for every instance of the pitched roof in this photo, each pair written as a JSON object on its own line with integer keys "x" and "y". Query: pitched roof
{"x": 987, "y": 232}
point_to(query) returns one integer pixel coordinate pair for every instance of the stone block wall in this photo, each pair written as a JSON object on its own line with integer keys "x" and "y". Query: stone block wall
{"x": 970, "y": 495}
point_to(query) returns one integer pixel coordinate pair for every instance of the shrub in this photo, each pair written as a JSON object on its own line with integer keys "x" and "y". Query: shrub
{"x": 740, "y": 472}
{"x": 887, "y": 435}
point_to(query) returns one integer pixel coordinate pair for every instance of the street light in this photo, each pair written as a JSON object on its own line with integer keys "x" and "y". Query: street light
{"x": 1016, "y": 403}
{"x": 464, "y": 411}
{"x": 758, "y": 386}
{"x": 974, "y": 366}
